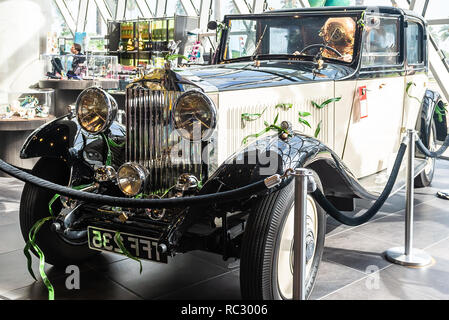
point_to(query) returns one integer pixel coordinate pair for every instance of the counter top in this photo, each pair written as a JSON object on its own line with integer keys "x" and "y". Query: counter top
{"x": 78, "y": 84}
{"x": 19, "y": 124}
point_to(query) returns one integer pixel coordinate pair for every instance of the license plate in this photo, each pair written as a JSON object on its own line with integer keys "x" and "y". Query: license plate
{"x": 139, "y": 246}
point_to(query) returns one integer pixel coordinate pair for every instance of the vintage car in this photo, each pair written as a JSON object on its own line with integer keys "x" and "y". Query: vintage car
{"x": 329, "y": 89}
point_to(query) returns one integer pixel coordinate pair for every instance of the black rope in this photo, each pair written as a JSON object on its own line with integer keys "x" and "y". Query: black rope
{"x": 368, "y": 215}
{"x": 433, "y": 154}
{"x": 221, "y": 197}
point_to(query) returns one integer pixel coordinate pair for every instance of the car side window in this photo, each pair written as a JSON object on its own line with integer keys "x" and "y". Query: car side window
{"x": 414, "y": 34}
{"x": 381, "y": 45}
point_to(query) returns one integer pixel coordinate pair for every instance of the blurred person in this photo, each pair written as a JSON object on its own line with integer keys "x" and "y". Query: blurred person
{"x": 78, "y": 60}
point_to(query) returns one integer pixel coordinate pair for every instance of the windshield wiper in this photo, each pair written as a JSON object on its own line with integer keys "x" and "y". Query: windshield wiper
{"x": 258, "y": 43}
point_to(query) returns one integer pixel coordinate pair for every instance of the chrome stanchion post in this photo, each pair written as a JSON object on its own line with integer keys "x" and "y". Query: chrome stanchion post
{"x": 407, "y": 255}
{"x": 303, "y": 183}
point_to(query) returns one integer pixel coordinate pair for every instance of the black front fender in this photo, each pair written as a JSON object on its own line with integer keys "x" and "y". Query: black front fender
{"x": 53, "y": 139}
{"x": 63, "y": 138}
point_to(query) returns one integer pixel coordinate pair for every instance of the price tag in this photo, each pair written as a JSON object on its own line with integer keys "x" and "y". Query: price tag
{"x": 363, "y": 98}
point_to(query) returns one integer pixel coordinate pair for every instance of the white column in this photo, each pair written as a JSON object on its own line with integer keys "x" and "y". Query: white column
{"x": 66, "y": 15}
{"x": 160, "y": 8}
{"x": 104, "y": 10}
{"x": 121, "y": 8}
{"x": 144, "y": 9}
{"x": 241, "y": 6}
{"x": 204, "y": 14}
{"x": 189, "y": 8}
{"x": 258, "y": 6}
{"x": 82, "y": 14}
{"x": 217, "y": 10}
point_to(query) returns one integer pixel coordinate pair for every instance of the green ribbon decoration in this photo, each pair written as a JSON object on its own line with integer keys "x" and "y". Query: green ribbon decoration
{"x": 50, "y": 204}
{"x": 109, "y": 142}
{"x": 57, "y": 196}
{"x": 119, "y": 242}
{"x": 109, "y": 155}
{"x": 31, "y": 243}
{"x": 115, "y": 144}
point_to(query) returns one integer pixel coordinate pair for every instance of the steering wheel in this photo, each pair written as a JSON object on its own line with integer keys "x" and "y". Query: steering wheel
{"x": 312, "y": 46}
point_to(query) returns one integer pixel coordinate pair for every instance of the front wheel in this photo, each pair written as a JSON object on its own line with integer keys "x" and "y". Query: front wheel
{"x": 267, "y": 250}
{"x": 34, "y": 207}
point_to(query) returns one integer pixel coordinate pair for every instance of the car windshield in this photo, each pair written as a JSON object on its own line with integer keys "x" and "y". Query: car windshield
{"x": 296, "y": 35}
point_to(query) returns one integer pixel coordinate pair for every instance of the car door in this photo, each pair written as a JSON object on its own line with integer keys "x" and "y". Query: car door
{"x": 376, "y": 119}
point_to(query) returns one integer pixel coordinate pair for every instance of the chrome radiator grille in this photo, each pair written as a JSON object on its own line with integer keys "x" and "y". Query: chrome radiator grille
{"x": 153, "y": 142}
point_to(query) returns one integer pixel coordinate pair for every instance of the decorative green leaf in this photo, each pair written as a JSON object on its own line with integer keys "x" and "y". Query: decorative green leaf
{"x": 284, "y": 106}
{"x": 409, "y": 84}
{"x": 407, "y": 89}
{"x": 318, "y": 129}
{"x": 301, "y": 120}
{"x": 361, "y": 22}
{"x": 268, "y": 126}
{"x": 278, "y": 128}
{"x": 172, "y": 57}
{"x": 325, "y": 103}
{"x": 316, "y": 105}
{"x": 255, "y": 135}
{"x": 252, "y": 116}
{"x": 304, "y": 114}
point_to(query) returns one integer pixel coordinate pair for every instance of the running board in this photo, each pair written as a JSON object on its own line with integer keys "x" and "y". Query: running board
{"x": 375, "y": 183}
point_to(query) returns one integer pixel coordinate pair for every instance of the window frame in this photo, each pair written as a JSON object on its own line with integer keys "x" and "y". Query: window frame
{"x": 424, "y": 42}
{"x": 357, "y": 43}
{"x": 401, "y": 42}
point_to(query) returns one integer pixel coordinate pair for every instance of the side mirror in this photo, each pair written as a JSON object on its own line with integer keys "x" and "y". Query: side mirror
{"x": 212, "y": 25}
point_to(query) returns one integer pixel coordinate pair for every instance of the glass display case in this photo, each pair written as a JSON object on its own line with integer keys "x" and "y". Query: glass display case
{"x": 80, "y": 67}
{"x": 147, "y": 41}
{"x": 39, "y": 103}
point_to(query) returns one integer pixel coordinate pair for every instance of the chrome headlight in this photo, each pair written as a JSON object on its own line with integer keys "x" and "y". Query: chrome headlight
{"x": 195, "y": 116}
{"x": 96, "y": 110}
{"x": 132, "y": 178}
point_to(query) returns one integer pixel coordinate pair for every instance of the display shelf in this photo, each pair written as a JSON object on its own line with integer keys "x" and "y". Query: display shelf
{"x": 19, "y": 124}
{"x": 78, "y": 84}
{"x": 87, "y": 66}
{"x": 154, "y": 36}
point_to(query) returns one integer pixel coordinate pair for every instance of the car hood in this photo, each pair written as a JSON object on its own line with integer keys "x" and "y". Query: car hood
{"x": 245, "y": 75}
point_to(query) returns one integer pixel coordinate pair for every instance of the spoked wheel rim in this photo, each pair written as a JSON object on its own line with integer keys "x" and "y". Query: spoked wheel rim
{"x": 285, "y": 253}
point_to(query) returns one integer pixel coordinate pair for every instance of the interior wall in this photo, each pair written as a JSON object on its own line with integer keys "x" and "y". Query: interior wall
{"x": 23, "y": 35}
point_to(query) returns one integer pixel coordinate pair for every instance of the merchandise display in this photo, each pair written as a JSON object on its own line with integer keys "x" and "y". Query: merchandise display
{"x": 82, "y": 67}
{"x": 194, "y": 49}
{"x": 29, "y": 105}
{"x": 148, "y": 41}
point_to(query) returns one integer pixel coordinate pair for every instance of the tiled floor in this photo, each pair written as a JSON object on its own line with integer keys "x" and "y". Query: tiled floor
{"x": 352, "y": 268}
